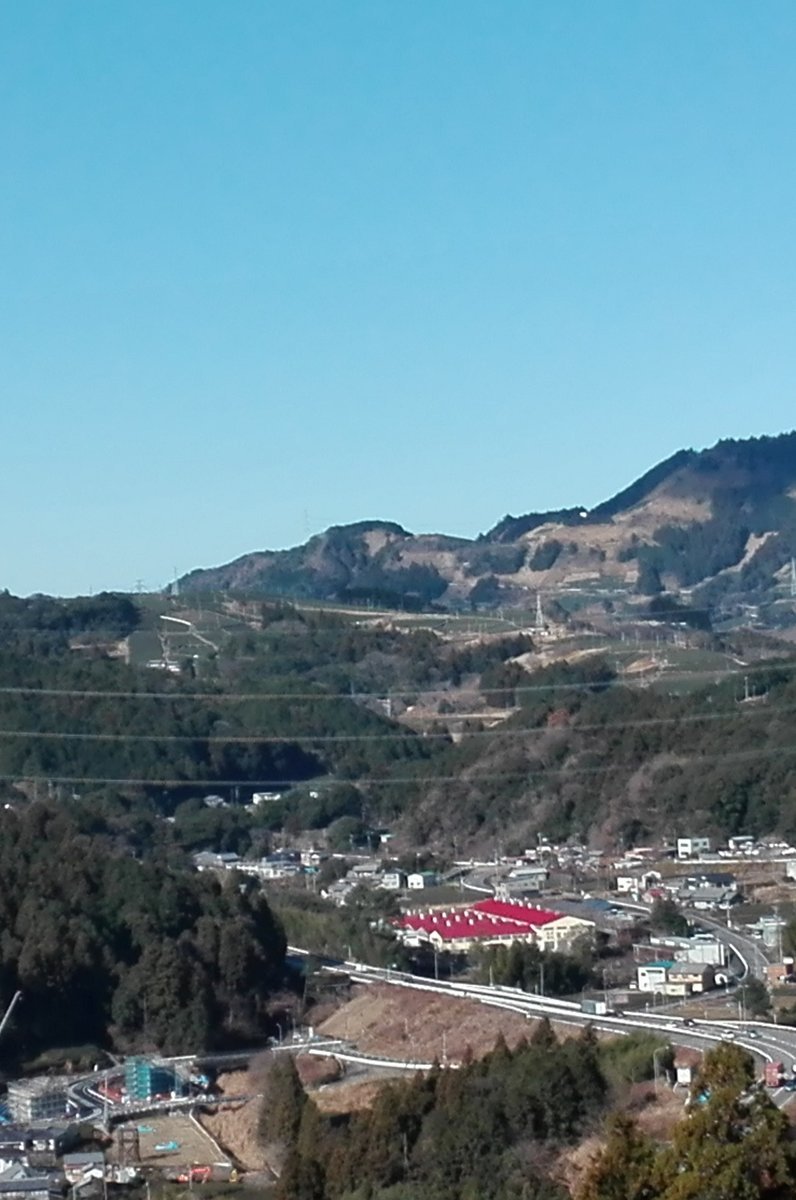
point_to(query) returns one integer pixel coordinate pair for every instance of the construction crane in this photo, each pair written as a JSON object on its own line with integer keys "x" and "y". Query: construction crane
{"x": 7, "y": 1014}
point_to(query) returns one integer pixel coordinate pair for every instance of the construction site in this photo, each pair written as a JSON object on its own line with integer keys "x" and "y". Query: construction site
{"x": 170, "y": 1142}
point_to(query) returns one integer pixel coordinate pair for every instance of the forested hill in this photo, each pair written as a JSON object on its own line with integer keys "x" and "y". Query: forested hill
{"x": 586, "y": 755}
{"x": 446, "y": 739}
{"x": 724, "y": 518}
{"x": 111, "y": 950}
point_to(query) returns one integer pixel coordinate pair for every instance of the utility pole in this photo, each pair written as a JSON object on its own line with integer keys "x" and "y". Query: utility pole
{"x": 655, "y": 1067}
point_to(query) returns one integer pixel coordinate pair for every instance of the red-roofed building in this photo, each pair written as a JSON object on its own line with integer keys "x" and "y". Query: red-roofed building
{"x": 516, "y": 910}
{"x": 491, "y": 922}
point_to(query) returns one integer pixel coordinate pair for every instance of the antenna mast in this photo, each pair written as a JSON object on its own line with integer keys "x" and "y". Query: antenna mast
{"x": 540, "y": 623}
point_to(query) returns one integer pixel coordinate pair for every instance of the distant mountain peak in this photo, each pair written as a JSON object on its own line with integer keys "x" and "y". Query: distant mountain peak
{"x": 721, "y": 519}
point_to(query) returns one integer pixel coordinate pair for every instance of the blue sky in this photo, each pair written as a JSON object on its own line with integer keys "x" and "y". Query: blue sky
{"x": 272, "y": 266}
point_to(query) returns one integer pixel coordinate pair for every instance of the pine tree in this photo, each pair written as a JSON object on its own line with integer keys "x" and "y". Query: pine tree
{"x": 543, "y": 1035}
{"x": 625, "y": 1170}
{"x": 283, "y": 1102}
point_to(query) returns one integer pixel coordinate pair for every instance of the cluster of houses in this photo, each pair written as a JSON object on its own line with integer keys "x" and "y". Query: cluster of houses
{"x": 39, "y": 1158}
{"x": 282, "y": 864}
{"x": 668, "y": 977}
{"x": 291, "y": 864}
{"x": 700, "y": 890}
{"x": 491, "y": 923}
{"x": 680, "y": 966}
{"x": 375, "y": 874}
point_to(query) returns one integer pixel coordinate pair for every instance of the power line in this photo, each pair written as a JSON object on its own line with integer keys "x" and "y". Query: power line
{"x": 406, "y": 734}
{"x": 380, "y": 781}
{"x": 716, "y": 676}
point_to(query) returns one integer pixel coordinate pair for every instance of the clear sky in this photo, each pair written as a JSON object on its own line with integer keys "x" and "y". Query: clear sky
{"x": 266, "y": 267}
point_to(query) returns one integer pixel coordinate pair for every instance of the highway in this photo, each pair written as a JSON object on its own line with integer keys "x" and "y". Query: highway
{"x": 766, "y": 1041}
{"x": 749, "y": 952}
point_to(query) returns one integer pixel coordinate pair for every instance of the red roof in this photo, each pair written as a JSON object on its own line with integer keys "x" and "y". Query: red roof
{"x": 458, "y": 924}
{"x": 525, "y": 914}
{"x": 486, "y": 919}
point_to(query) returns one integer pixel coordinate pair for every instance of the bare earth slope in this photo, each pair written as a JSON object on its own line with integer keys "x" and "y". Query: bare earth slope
{"x": 734, "y": 499}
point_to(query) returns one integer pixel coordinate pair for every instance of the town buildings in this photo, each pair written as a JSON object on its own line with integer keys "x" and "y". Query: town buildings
{"x": 38, "y": 1099}
{"x": 675, "y": 977}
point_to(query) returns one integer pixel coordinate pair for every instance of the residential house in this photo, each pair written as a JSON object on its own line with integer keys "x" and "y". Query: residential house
{"x": 365, "y": 872}
{"x": 82, "y": 1165}
{"x": 703, "y": 948}
{"x": 709, "y": 879}
{"x": 393, "y": 880}
{"x": 21, "y": 1182}
{"x": 312, "y": 858}
{"x": 54, "y": 1139}
{"x": 418, "y": 880}
{"x": 709, "y": 897}
{"x": 530, "y": 874}
{"x": 208, "y": 860}
{"x": 686, "y": 979}
{"x": 259, "y": 798}
{"x": 637, "y": 883}
{"x": 692, "y": 847}
{"x": 651, "y": 977}
{"x": 339, "y": 891}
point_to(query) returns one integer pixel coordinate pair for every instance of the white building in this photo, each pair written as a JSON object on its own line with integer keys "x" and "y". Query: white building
{"x": 393, "y": 881}
{"x": 422, "y": 879}
{"x": 37, "y": 1099}
{"x": 652, "y": 976}
{"x": 530, "y": 873}
{"x": 692, "y": 847}
{"x": 637, "y": 884}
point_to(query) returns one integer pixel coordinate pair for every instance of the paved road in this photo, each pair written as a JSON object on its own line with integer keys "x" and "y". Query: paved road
{"x": 746, "y": 949}
{"x": 767, "y": 1042}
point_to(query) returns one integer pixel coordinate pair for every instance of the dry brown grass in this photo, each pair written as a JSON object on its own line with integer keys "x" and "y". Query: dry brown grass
{"x": 421, "y": 1026}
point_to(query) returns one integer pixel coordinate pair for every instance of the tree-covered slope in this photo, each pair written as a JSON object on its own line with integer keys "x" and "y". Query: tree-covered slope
{"x": 107, "y": 949}
{"x": 588, "y": 756}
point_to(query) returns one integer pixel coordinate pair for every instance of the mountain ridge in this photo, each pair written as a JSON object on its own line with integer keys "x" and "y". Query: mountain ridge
{"x": 722, "y": 520}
